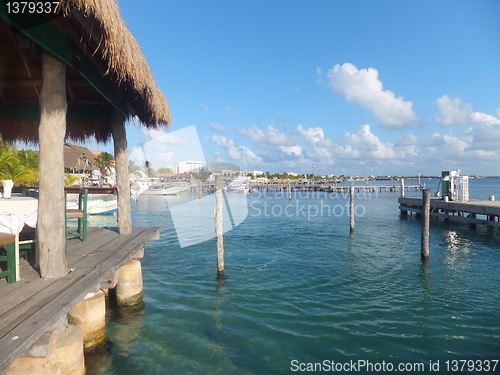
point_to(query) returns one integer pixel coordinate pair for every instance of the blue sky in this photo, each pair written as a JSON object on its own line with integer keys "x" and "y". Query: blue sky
{"x": 353, "y": 87}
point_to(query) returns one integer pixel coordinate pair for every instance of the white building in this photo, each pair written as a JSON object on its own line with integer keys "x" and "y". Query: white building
{"x": 189, "y": 166}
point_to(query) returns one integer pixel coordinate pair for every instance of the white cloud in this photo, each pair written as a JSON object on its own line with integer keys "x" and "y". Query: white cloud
{"x": 167, "y": 149}
{"x": 364, "y": 88}
{"x": 239, "y": 154}
{"x": 219, "y": 128}
{"x": 261, "y": 139}
{"x": 456, "y": 112}
{"x": 291, "y": 150}
{"x": 483, "y": 132}
{"x": 453, "y": 111}
{"x": 365, "y": 144}
{"x": 314, "y": 136}
{"x": 233, "y": 111}
{"x": 407, "y": 139}
{"x": 152, "y": 133}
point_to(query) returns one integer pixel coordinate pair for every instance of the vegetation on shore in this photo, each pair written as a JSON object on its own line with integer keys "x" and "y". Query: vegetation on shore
{"x": 19, "y": 166}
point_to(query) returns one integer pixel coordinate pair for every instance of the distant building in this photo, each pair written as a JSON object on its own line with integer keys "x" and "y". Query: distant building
{"x": 174, "y": 169}
{"x": 174, "y": 176}
{"x": 189, "y": 166}
{"x": 78, "y": 159}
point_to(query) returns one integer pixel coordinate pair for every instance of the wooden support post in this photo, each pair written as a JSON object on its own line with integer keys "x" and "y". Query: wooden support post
{"x": 218, "y": 226}
{"x": 351, "y": 208}
{"x": 51, "y": 237}
{"x": 122, "y": 180}
{"x": 200, "y": 190}
{"x": 424, "y": 240}
{"x": 289, "y": 191}
{"x": 403, "y": 212}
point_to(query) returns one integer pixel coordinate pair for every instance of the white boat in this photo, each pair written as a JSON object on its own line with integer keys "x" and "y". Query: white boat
{"x": 103, "y": 208}
{"x": 154, "y": 188}
{"x": 239, "y": 185}
{"x": 163, "y": 190}
{"x": 97, "y": 206}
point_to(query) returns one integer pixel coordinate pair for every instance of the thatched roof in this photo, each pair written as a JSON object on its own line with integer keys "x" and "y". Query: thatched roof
{"x": 96, "y": 30}
{"x": 125, "y": 61}
{"x": 78, "y": 158}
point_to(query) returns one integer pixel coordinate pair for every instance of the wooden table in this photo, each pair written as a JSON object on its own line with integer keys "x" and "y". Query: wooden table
{"x": 15, "y": 213}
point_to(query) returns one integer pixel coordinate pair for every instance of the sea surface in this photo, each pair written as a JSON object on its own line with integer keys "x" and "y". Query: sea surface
{"x": 301, "y": 293}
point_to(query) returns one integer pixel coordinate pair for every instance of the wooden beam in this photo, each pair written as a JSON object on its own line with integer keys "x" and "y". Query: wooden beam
{"x": 38, "y": 28}
{"x": 75, "y": 111}
{"x": 51, "y": 239}
{"x": 122, "y": 180}
{"x": 38, "y": 82}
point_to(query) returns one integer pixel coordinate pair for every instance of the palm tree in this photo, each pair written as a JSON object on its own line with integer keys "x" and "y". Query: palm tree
{"x": 148, "y": 169}
{"x": 12, "y": 168}
{"x": 70, "y": 179}
{"x": 105, "y": 161}
{"x": 132, "y": 167}
{"x": 28, "y": 158}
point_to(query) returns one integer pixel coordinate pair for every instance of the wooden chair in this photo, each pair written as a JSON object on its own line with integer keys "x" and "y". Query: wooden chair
{"x": 8, "y": 242}
{"x": 81, "y": 215}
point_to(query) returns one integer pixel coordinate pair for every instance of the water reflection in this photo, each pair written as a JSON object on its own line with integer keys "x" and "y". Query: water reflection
{"x": 124, "y": 325}
{"x": 458, "y": 248}
{"x": 127, "y": 327}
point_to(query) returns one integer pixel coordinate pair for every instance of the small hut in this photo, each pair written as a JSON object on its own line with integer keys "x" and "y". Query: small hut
{"x": 72, "y": 72}
{"x": 78, "y": 159}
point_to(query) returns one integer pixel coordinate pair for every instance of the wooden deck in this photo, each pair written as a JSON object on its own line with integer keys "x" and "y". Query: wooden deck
{"x": 473, "y": 211}
{"x": 33, "y": 305}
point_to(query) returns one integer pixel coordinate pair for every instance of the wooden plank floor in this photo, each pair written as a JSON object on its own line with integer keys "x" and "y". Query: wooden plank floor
{"x": 31, "y": 306}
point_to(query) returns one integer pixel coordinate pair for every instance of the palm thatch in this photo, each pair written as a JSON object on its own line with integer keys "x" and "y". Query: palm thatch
{"x": 125, "y": 61}
{"x": 95, "y": 29}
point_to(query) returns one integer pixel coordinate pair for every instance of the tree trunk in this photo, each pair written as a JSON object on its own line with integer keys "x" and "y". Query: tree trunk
{"x": 122, "y": 179}
{"x": 51, "y": 237}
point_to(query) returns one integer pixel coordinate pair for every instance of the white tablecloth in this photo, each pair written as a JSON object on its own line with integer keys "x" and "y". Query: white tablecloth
{"x": 16, "y": 212}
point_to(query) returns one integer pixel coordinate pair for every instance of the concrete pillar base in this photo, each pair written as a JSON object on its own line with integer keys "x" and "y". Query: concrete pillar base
{"x": 66, "y": 358}
{"x": 129, "y": 285}
{"x": 90, "y": 315}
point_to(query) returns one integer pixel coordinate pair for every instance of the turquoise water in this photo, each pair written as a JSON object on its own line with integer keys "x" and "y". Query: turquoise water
{"x": 300, "y": 289}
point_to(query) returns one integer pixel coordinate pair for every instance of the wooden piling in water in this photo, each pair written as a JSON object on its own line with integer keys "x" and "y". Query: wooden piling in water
{"x": 351, "y": 208}
{"x": 426, "y": 208}
{"x": 403, "y": 212}
{"x": 218, "y": 226}
{"x": 200, "y": 190}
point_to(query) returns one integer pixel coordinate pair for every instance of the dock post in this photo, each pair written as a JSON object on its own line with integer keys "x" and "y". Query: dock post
{"x": 218, "y": 226}
{"x": 129, "y": 286}
{"x": 200, "y": 190}
{"x": 424, "y": 240}
{"x": 351, "y": 208}
{"x": 58, "y": 351}
{"x": 51, "y": 241}
{"x": 90, "y": 315}
{"x": 403, "y": 212}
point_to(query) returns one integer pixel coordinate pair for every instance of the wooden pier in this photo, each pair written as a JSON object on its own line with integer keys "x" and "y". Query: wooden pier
{"x": 320, "y": 187}
{"x": 334, "y": 188}
{"x": 472, "y": 211}
{"x": 33, "y": 305}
